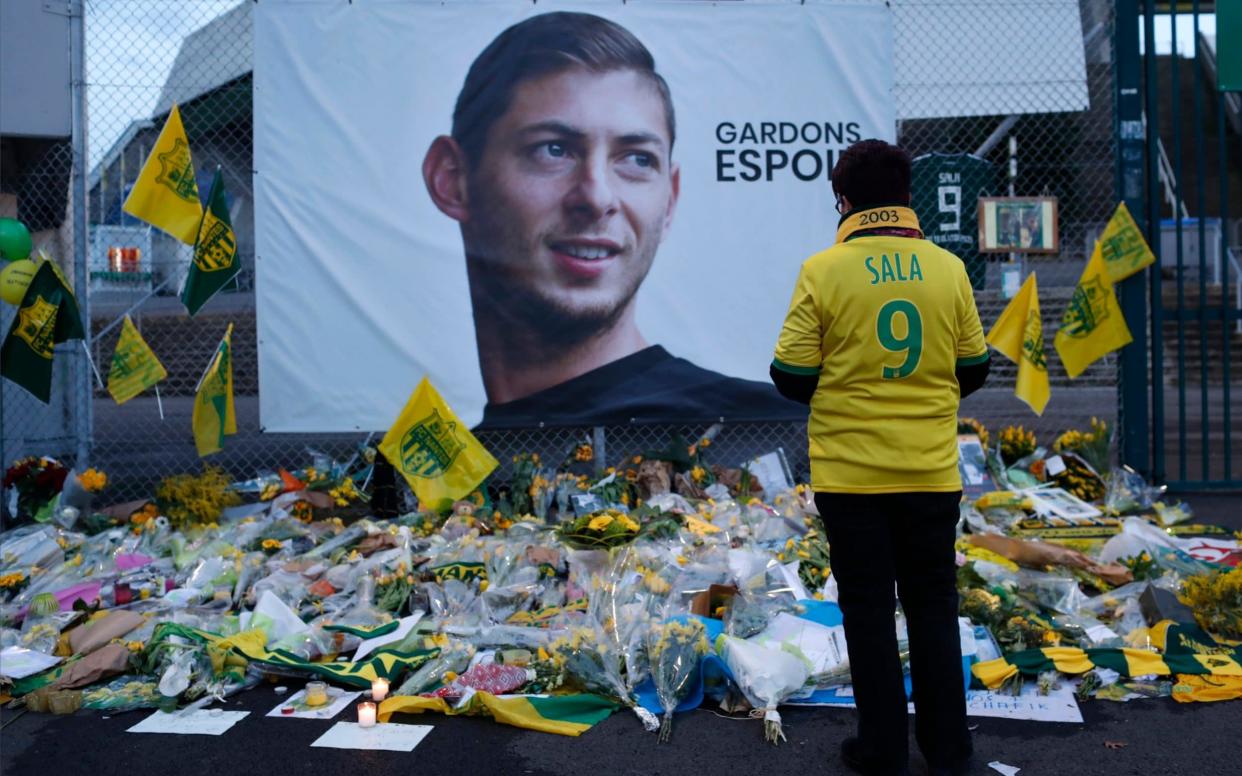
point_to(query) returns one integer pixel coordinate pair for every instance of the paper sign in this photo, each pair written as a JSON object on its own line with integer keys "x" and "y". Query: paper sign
{"x": 1056, "y": 502}
{"x": 337, "y": 700}
{"x": 199, "y": 722}
{"x": 1054, "y": 465}
{"x": 403, "y": 629}
{"x": 390, "y": 737}
{"x": 1057, "y": 706}
{"x": 771, "y": 471}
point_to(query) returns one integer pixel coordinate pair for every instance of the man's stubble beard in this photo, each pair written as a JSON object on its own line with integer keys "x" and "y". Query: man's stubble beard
{"x": 532, "y": 322}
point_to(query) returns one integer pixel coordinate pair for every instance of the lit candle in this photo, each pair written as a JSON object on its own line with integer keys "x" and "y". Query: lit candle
{"x": 316, "y": 693}
{"x": 366, "y": 714}
{"x": 379, "y": 689}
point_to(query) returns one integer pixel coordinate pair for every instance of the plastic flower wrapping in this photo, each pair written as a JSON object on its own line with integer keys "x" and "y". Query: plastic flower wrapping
{"x": 644, "y": 585}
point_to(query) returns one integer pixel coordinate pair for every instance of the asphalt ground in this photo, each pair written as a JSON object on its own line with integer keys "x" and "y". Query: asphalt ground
{"x": 1139, "y": 737}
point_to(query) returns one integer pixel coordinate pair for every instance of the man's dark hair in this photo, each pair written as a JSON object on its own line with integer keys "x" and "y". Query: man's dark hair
{"x": 540, "y": 46}
{"x": 871, "y": 173}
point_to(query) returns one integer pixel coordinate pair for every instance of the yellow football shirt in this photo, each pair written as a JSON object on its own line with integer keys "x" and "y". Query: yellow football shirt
{"x": 883, "y": 321}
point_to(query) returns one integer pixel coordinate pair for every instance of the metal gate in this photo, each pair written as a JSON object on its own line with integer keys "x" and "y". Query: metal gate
{"x": 1179, "y": 166}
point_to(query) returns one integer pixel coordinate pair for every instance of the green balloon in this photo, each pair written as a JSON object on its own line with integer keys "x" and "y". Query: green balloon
{"x": 15, "y": 241}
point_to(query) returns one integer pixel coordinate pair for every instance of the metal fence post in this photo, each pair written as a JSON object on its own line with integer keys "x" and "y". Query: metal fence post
{"x": 1135, "y": 434}
{"x": 84, "y": 390}
{"x": 599, "y": 441}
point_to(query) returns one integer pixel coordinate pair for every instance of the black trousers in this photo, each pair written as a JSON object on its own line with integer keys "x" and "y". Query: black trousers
{"x": 907, "y": 539}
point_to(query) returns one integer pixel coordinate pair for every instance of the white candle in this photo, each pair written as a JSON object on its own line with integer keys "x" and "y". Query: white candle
{"x": 379, "y": 689}
{"x": 366, "y": 714}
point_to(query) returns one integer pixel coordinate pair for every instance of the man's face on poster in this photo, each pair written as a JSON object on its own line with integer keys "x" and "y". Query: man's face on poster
{"x": 572, "y": 195}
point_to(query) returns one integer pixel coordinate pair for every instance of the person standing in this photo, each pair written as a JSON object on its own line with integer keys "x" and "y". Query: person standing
{"x": 882, "y": 340}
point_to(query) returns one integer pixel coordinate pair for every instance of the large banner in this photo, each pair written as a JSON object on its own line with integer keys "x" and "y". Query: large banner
{"x": 561, "y": 214}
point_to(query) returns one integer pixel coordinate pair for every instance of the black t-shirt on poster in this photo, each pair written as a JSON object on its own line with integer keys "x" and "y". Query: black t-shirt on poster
{"x": 650, "y": 386}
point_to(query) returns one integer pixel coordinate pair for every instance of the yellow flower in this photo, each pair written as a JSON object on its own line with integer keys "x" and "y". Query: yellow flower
{"x": 271, "y": 544}
{"x": 11, "y": 580}
{"x": 705, "y": 442}
{"x": 93, "y": 480}
{"x": 600, "y": 522}
{"x": 628, "y": 524}
{"x": 134, "y": 646}
{"x": 698, "y": 473}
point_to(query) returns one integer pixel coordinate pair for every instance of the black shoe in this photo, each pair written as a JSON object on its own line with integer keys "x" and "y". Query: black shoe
{"x": 959, "y": 768}
{"x": 855, "y": 756}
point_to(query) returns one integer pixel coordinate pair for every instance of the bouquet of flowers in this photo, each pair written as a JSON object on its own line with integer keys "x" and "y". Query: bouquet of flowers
{"x": 767, "y": 675}
{"x": 37, "y": 481}
{"x": 12, "y": 583}
{"x": 674, "y": 649}
{"x": 1016, "y": 443}
{"x": 1093, "y": 446}
{"x": 590, "y": 662}
{"x": 1216, "y": 599}
{"x": 1079, "y": 478}
{"x": 196, "y": 499}
{"x": 605, "y": 529}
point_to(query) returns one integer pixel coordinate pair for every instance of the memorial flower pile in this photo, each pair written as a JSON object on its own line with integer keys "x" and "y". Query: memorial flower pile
{"x": 641, "y": 585}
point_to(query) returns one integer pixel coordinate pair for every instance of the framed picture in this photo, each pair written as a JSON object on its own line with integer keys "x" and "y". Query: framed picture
{"x": 1018, "y": 225}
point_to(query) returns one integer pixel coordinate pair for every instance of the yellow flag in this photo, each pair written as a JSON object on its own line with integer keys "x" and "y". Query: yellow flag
{"x": 1092, "y": 324}
{"x": 134, "y": 365}
{"x": 214, "y": 415}
{"x": 439, "y": 457}
{"x": 1019, "y": 334}
{"x": 166, "y": 192}
{"x": 1123, "y": 247}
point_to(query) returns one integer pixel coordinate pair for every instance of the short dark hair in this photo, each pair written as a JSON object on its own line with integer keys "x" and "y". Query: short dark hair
{"x": 539, "y": 46}
{"x": 872, "y": 172}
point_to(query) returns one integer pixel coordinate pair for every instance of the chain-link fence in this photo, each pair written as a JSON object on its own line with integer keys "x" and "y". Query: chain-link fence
{"x": 145, "y": 55}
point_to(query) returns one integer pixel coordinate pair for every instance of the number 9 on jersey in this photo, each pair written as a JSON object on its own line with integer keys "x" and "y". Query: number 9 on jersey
{"x": 900, "y": 315}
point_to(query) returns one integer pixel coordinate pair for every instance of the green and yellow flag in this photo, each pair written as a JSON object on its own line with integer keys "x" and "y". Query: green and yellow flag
{"x": 439, "y": 456}
{"x": 1124, "y": 249}
{"x": 215, "y": 251}
{"x": 214, "y": 415}
{"x": 1186, "y": 650}
{"x": 565, "y": 715}
{"x": 1019, "y": 335}
{"x": 1092, "y": 324}
{"x": 166, "y": 192}
{"x": 134, "y": 365}
{"x": 48, "y": 316}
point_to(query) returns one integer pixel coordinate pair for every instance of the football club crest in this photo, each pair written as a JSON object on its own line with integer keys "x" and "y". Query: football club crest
{"x": 430, "y": 446}
{"x": 177, "y": 172}
{"x": 36, "y": 325}
{"x": 1086, "y": 310}
{"x": 217, "y": 244}
{"x": 1033, "y": 342}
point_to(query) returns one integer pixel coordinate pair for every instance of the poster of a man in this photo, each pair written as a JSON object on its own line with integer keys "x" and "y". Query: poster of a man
{"x": 559, "y": 168}
{"x": 563, "y": 217}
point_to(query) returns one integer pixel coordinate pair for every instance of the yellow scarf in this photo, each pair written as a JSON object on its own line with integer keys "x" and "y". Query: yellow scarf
{"x": 882, "y": 217}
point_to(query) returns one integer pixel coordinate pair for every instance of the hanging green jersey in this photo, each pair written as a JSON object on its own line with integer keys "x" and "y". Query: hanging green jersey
{"x": 945, "y": 191}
